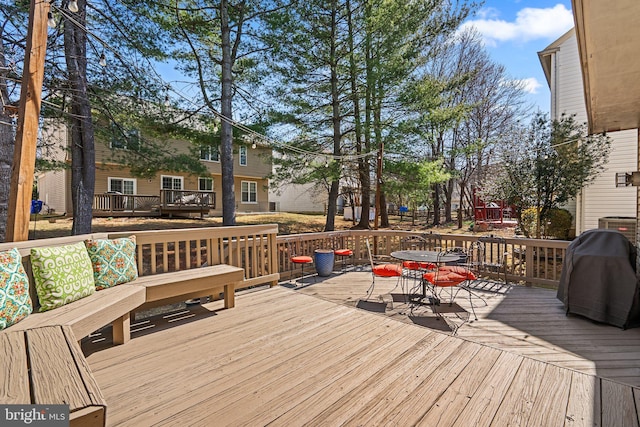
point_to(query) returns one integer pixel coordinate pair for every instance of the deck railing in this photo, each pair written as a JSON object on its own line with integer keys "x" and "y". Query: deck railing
{"x": 265, "y": 256}
{"x": 125, "y": 202}
{"x": 187, "y": 198}
{"x": 531, "y": 261}
{"x": 252, "y": 247}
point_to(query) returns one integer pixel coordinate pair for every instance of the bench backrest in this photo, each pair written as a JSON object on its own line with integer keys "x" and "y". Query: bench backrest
{"x": 25, "y": 250}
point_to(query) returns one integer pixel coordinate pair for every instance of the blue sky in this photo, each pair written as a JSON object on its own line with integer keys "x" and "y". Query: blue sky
{"x": 514, "y": 31}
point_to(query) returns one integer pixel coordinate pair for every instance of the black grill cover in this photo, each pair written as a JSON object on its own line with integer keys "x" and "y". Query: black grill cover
{"x": 598, "y": 278}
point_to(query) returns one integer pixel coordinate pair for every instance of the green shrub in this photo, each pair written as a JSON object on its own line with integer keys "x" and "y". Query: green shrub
{"x": 559, "y": 224}
{"x": 528, "y": 222}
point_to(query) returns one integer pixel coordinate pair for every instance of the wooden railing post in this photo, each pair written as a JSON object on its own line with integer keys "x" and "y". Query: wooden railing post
{"x": 529, "y": 267}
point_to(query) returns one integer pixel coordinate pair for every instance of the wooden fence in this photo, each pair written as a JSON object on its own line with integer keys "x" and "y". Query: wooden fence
{"x": 265, "y": 256}
{"x": 530, "y": 261}
{"x": 252, "y": 247}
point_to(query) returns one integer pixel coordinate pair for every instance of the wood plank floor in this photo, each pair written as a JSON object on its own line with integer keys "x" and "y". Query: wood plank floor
{"x": 526, "y": 320}
{"x": 285, "y": 358}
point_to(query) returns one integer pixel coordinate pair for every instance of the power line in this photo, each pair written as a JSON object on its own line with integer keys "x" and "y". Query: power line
{"x": 254, "y": 136}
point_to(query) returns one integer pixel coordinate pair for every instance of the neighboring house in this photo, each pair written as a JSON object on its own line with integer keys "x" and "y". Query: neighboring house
{"x": 114, "y": 182}
{"x": 561, "y": 64}
{"x": 307, "y": 198}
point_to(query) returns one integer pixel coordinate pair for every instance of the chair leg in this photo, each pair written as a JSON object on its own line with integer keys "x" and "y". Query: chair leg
{"x": 473, "y": 310}
{"x": 302, "y": 273}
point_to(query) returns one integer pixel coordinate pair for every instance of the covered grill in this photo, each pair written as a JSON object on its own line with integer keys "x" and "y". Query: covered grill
{"x": 599, "y": 280}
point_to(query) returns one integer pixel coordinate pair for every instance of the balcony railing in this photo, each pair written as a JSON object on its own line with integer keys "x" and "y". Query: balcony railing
{"x": 112, "y": 202}
{"x": 204, "y": 200}
{"x": 168, "y": 200}
{"x": 530, "y": 261}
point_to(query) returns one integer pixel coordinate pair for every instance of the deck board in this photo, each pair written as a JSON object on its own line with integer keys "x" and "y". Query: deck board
{"x": 525, "y": 320}
{"x": 285, "y": 358}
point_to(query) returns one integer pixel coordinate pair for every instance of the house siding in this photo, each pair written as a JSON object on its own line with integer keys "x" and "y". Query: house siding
{"x": 258, "y": 159}
{"x": 299, "y": 198}
{"x": 601, "y": 198}
{"x": 57, "y": 184}
{"x": 152, "y": 186}
{"x": 50, "y": 190}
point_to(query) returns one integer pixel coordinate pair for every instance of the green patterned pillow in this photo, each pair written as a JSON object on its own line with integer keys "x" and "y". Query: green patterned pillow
{"x": 15, "y": 302}
{"x": 62, "y": 274}
{"x": 113, "y": 261}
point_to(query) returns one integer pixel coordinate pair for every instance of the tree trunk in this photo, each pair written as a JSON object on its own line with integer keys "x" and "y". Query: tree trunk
{"x": 436, "y": 204}
{"x": 463, "y": 186}
{"x": 332, "y": 206}
{"x": 377, "y": 128}
{"x": 226, "y": 132}
{"x": 364, "y": 172}
{"x": 448, "y": 200}
{"x": 7, "y": 144}
{"x": 368, "y": 90}
{"x": 82, "y": 136}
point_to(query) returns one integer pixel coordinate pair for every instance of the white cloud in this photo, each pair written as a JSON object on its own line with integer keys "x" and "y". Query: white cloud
{"x": 530, "y": 85}
{"x": 530, "y": 24}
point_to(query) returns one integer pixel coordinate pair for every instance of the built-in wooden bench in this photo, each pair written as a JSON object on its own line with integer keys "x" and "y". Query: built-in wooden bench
{"x": 165, "y": 288}
{"x": 91, "y": 313}
{"x": 45, "y": 366}
{"x": 114, "y": 305}
{"x": 41, "y": 360}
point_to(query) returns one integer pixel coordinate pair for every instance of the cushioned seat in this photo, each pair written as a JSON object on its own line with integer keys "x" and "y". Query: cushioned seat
{"x": 443, "y": 278}
{"x": 343, "y": 252}
{"x": 462, "y": 271}
{"x": 414, "y": 265}
{"x": 294, "y": 248}
{"x": 387, "y": 270}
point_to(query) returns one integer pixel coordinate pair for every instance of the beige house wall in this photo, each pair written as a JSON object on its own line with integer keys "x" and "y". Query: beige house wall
{"x": 258, "y": 166}
{"x": 601, "y": 198}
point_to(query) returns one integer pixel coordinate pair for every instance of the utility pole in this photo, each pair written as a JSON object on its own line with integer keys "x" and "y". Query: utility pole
{"x": 24, "y": 154}
{"x": 378, "y": 185}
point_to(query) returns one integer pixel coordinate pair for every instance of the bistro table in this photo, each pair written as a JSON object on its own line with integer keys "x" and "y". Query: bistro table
{"x": 433, "y": 257}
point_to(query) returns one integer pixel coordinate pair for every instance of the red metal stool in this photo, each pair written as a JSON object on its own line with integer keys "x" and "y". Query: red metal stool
{"x": 302, "y": 260}
{"x": 344, "y": 254}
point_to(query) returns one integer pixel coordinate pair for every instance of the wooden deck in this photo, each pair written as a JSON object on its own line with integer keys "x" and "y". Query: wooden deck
{"x": 528, "y": 321}
{"x": 285, "y": 358}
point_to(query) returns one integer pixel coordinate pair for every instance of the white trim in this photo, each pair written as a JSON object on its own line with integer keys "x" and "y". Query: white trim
{"x": 135, "y": 183}
{"x": 130, "y": 133}
{"x": 210, "y": 149}
{"x": 240, "y": 155}
{"x": 181, "y": 178}
{"x": 255, "y": 185}
{"x": 209, "y": 178}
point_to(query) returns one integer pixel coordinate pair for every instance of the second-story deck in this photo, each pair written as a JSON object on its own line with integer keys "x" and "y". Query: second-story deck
{"x": 168, "y": 203}
{"x": 307, "y": 355}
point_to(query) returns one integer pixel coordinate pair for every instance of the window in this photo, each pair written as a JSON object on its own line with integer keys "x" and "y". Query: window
{"x": 243, "y": 156}
{"x": 210, "y": 154}
{"x": 249, "y": 191}
{"x": 122, "y": 185}
{"x": 125, "y": 140}
{"x": 171, "y": 183}
{"x": 205, "y": 184}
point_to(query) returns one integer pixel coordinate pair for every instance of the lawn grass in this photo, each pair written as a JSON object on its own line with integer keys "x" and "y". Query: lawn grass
{"x": 289, "y": 223}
